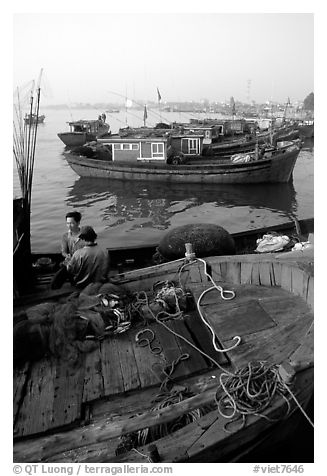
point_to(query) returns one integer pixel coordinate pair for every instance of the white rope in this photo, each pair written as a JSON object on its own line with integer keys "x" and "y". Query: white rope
{"x": 222, "y": 295}
{"x": 219, "y": 288}
{"x": 237, "y": 338}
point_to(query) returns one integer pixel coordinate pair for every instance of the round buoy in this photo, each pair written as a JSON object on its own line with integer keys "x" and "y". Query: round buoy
{"x": 206, "y": 240}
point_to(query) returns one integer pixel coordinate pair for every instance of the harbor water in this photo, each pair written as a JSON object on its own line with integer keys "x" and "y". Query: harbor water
{"x": 126, "y": 213}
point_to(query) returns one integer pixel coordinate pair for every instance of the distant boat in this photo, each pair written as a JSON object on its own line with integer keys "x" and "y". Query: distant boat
{"x": 34, "y": 119}
{"x": 306, "y": 129}
{"x": 83, "y": 131}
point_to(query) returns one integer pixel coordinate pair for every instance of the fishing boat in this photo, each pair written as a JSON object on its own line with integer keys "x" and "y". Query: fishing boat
{"x": 83, "y": 131}
{"x": 214, "y": 361}
{"x": 246, "y": 143}
{"x": 127, "y": 258}
{"x": 34, "y": 119}
{"x": 172, "y": 157}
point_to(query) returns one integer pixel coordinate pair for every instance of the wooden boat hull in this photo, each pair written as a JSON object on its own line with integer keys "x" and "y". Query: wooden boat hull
{"x": 239, "y": 146}
{"x": 272, "y": 313}
{"x": 74, "y": 139}
{"x": 269, "y": 170}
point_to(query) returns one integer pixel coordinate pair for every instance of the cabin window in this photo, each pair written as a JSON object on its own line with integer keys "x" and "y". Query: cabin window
{"x": 190, "y": 146}
{"x": 157, "y": 150}
{"x": 207, "y": 134}
{"x": 126, "y": 146}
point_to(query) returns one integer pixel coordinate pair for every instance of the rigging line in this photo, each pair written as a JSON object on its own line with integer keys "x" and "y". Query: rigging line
{"x": 33, "y": 146}
{"x": 139, "y": 104}
{"x": 20, "y": 120}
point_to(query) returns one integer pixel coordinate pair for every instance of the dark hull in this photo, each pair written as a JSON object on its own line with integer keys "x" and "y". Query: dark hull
{"x": 239, "y": 146}
{"x": 72, "y": 139}
{"x": 268, "y": 170}
{"x": 125, "y": 259}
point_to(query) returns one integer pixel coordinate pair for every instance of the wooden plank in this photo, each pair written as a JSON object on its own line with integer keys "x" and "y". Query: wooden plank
{"x": 246, "y": 273}
{"x": 172, "y": 352}
{"x": 233, "y": 273}
{"x": 136, "y": 402}
{"x": 299, "y": 279}
{"x": 277, "y": 272}
{"x": 36, "y": 412}
{"x": 128, "y": 365}
{"x": 39, "y": 449}
{"x": 255, "y": 276}
{"x": 196, "y": 361}
{"x": 243, "y": 294}
{"x": 19, "y": 381}
{"x": 274, "y": 344}
{"x": 266, "y": 274}
{"x": 283, "y": 309}
{"x": 241, "y": 319}
{"x": 286, "y": 277}
{"x": 310, "y": 293}
{"x": 110, "y": 367}
{"x": 173, "y": 447}
{"x": 68, "y": 391}
{"x": 219, "y": 271}
{"x": 147, "y": 362}
{"x": 93, "y": 381}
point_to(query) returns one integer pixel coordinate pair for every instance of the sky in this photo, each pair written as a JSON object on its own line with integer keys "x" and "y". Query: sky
{"x": 188, "y": 55}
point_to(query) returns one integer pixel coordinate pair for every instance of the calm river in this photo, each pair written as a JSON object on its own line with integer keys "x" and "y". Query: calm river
{"x": 131, "y": 213}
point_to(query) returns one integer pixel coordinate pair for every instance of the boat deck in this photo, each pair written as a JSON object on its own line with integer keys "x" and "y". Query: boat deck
{"x": 51, "y": 394}
{"x": 69, "y": 413}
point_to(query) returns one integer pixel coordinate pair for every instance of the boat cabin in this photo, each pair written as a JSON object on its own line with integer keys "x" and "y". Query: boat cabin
{"x": 210, "y": 132}
{"x": 221, "y": 127}
{"x": 90, "y": 127}
{"x": 153, "y": 148}
{"x": 133, "y": 148}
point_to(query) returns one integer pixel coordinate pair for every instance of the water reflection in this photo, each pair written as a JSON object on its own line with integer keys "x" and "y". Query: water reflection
{"x": 156, "y": 203}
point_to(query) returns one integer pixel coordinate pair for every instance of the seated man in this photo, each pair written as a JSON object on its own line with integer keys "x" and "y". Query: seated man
{"x": 71, "y": 240}
{"x": 89, "y": 264}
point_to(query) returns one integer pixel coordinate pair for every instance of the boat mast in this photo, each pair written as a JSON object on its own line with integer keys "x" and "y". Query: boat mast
{"x": 24, "y": 143}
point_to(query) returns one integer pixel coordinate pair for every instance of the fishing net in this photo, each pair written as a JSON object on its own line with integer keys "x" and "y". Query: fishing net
{"x": 206, "y": 239}
{"x": 67, "y": 329}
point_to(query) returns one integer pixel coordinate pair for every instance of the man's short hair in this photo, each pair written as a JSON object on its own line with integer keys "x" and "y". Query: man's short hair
{"x": 76, "y": 215}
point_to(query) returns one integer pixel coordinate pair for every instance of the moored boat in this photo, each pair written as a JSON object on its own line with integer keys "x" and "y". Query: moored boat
{"x": 34, "y": 119}
{"x": 177, "y": 158}
{"x": 83, "y": 131}
{"x": 306, "y": 129}
{"x": 171, "y": 379}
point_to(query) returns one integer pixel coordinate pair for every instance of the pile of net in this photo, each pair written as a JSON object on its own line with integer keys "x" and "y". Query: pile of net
{"x": 167, "y": 300}
{"x": 101, "y": 310}
{"x": 65, "y": 329}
